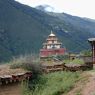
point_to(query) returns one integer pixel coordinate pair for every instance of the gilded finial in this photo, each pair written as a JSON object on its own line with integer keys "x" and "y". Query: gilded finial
{"x": 51, "y": 32}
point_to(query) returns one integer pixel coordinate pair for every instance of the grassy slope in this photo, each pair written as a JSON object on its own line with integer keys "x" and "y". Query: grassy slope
{"x": 54, "y": 84}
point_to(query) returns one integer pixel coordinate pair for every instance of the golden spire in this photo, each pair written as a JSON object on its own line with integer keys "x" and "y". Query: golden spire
{"x": 52, "y": 34}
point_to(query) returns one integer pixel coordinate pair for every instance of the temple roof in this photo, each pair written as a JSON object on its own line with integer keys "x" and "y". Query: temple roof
{"x": 91, "y": 39}
{"x": 52, "y": 34}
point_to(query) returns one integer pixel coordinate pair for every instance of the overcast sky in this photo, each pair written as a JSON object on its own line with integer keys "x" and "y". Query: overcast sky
{"x": 82, "y": 8}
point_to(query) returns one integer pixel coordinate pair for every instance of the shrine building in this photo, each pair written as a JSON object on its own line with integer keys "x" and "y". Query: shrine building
{"x": 52, "y": 46}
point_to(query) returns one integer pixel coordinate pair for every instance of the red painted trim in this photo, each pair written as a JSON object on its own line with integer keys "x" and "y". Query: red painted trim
{"x": 49, "y": 52}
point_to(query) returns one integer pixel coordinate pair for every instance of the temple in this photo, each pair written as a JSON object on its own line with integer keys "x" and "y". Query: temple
{"x": 52, "y": 46}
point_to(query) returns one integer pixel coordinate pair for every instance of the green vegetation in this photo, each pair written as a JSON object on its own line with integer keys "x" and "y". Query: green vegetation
{"x": 20, "y": 33}
{"x": 75, "y": 61}
{"x": 56, "y": 83}
{"x": 86, "y": 53}
{"x": 23, "y": 29}
{"x": 52, "y": 84}
{"x": 26, "y": 62}
{"x": 78, "y": 61}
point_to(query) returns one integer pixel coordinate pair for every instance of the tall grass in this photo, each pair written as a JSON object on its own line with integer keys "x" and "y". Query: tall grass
{"x": 53, "y": 84}
{"x": 22, "y": 61}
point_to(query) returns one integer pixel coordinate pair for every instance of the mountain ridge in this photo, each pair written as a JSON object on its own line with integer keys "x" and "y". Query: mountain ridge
{"x": 23, "y": 29}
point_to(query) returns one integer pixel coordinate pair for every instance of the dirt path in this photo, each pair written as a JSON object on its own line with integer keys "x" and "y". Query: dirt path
{"x": 89, "y": 88}
{"x": 11, "y": 89}
{"x": 86, "y": 86}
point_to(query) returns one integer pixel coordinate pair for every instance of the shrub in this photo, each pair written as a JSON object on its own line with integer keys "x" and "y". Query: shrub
{"x": 23, "y": 61}
{"x": 57, "y": 83}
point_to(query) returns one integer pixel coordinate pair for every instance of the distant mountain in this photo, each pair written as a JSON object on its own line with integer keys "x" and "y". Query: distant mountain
{"x": 23, "y": 29}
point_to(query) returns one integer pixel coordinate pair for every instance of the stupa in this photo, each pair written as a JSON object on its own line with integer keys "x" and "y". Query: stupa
{"x": 52, "y": 46}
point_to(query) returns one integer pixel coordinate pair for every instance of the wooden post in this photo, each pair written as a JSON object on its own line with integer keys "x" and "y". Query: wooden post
{"x": 92, "y": 42}
{"x": 93, "y": 52}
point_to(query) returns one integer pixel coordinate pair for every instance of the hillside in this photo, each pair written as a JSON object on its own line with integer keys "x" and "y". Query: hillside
{"x": 19, "y": 32}
{"x": 23, "y": 29}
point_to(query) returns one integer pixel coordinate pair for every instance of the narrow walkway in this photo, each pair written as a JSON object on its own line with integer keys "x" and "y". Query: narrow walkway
{"x": 89, "y": 88}
{"x": 86, "y": 86}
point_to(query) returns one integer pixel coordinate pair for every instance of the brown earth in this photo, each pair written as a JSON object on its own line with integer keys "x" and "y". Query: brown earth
{"x": 86, "y": 85}
{"x": 11, "y": 89}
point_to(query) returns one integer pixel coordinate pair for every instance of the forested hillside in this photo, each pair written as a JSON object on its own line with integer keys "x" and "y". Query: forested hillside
{"x": 23, "y": 29}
